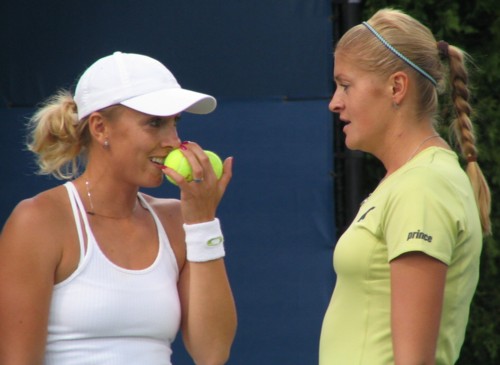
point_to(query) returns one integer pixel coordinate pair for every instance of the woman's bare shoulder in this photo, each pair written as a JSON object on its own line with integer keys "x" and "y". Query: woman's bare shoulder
{"x": 165, "y": 207}
{"x": 44, "y": 206}
{"x": 38, "y": 219}
{"x": 170, "y": 215}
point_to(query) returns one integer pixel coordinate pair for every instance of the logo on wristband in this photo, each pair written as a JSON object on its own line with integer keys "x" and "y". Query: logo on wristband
{"x": 215, "y": 241}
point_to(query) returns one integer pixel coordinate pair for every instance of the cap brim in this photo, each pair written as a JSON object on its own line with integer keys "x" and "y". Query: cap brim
{"x": 168, "y": 102}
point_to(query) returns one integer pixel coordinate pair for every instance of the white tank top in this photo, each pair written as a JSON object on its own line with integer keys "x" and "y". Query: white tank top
{"x": 105, "y": 314}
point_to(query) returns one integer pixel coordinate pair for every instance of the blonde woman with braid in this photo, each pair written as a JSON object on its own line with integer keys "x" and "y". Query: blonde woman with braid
{"x": 94, "y": 271}
{"x": 408, "y": 265}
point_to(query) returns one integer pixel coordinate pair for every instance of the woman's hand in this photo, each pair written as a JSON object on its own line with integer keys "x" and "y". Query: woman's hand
{"x": 200, "y": 197}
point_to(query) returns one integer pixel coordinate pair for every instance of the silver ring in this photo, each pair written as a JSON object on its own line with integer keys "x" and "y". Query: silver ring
{"x": 198, "y": 180}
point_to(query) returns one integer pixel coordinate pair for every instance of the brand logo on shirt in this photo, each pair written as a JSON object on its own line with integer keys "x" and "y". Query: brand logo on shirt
{"x": 364, "y": 215}
{"x": 419, "y": 236}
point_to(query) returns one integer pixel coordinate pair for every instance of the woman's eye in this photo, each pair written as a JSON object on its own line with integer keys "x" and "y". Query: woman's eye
{"x": 159, "y": 122}
{"x": 342, "y": 86}
{"x": 155, "y": 122}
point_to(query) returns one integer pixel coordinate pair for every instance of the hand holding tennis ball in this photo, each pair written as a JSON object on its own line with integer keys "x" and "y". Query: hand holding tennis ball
{"x": 178, "y": 162}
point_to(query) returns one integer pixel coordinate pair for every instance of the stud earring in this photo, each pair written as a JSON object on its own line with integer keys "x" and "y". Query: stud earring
{"x": 395, "y": 105}
{"x": 106, "y": 143}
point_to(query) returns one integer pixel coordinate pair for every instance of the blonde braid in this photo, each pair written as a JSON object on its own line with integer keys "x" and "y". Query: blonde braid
{"x": 464, "y": 133}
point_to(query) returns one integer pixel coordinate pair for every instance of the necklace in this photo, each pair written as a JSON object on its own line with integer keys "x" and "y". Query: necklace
{"x": 420, "y": 145}
{"x": 411, "y": 156}
{"x": 92, "y": 210}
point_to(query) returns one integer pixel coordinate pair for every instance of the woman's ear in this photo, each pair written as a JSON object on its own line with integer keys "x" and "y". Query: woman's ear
{"x": 98, "y": 128}
{"x": 399, "y": 83}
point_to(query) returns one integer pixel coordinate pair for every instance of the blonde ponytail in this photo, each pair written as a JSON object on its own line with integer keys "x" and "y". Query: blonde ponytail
{"x": 57, "y": 138}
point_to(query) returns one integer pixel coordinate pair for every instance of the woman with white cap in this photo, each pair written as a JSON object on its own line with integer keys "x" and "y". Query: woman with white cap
{"x": 94, "y": 271}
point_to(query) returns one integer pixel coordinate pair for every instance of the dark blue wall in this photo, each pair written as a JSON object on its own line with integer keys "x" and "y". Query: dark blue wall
{"x": 269, "y": 65}
{"x": 240, "y": 48}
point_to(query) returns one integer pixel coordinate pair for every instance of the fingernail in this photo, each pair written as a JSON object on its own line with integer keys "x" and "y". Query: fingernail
{"x": 183, "y": 147}
{"x": 184, "y": 142}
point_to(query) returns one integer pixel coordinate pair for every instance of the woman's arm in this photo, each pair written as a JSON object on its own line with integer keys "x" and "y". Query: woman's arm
{"x": 208, "y": 312}
{"x": 208, "y": 319}
{"x": 417, "y": 291}
{"x": 27, "y": 268}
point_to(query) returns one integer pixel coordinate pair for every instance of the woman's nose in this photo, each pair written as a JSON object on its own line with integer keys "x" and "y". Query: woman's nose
{"x": 335, "y": 105}
{"x": 170, "y": 138}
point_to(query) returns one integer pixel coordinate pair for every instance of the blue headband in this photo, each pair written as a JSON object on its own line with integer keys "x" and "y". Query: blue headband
{"x": 399, "y": 54}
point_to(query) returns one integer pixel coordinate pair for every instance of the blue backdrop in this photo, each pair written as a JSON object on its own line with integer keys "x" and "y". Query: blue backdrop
{"x": 269, "y": 65}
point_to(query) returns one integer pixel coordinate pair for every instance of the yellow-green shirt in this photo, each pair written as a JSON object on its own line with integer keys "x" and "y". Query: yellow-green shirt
{"x": 428, "y": 206}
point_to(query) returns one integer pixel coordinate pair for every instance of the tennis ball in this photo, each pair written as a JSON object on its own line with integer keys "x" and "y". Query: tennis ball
{"x": 178, "y": 162}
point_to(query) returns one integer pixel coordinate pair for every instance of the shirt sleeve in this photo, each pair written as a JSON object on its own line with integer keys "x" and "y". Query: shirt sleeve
{"x": 421, "y": 216}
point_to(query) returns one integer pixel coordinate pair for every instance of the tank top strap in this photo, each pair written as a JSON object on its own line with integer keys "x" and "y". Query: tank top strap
{"x": 162, "y": 235}
{"x": 79, "y": 215}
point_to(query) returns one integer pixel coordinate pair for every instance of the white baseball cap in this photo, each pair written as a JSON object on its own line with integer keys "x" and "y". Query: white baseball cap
{"x": 138, "y": 82}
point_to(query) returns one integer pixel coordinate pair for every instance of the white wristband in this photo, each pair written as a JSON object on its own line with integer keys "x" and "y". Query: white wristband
{"x": 204, "y": 241}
